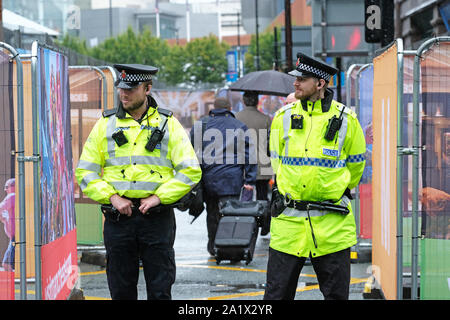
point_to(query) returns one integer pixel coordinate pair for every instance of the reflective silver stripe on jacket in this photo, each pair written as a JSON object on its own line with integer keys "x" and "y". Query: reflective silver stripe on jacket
{"x": 88, "y": 178}
{"x": 145, "y": 160}
{"x": 286, "y": 127}
{"x": 183, "y": 178}
{"x": 291, "y": 212}
{"x": 134, "y": 185}
{"x": 189, "y": 163}
{"x": 342, "y": 133}
{"x": 86, "y": 165}
{"x": 111, "y": 144}
{"x": 165, "y": 140}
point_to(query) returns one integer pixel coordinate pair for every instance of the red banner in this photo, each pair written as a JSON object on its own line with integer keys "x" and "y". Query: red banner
{"x": 60, "y": 270}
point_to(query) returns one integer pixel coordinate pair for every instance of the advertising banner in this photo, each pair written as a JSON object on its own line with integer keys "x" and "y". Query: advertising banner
{"x": 232, "y": 70}
{"x": 7, "y": 181}
{"x": 59, "y": 251}
{"x": 384, "y": 163}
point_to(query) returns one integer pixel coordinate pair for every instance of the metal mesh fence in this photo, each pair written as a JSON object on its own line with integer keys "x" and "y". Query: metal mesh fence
{"x": 86, "y": 109}
{"x": 435, "y": 173}
{"x": 8, "y": 217}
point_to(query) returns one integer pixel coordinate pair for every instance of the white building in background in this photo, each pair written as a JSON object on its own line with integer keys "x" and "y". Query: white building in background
{"x": 184, "y": 19}
{"x": 12, "y": 21}
{"x": 52, "y": 14}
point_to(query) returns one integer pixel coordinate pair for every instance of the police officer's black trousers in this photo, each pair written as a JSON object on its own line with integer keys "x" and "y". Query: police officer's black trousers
{"x": 332, "y": 270}
{"x": 149, "y": 238}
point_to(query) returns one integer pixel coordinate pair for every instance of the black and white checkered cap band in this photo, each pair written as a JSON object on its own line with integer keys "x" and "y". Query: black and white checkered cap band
{"x": 320, "y": 73}
{"x": 137, "y": 77}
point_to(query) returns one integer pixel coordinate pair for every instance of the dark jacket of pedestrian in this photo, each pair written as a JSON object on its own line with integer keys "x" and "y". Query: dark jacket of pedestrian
{"x": 228, "y": 160}
{"x": 225, "y": 171}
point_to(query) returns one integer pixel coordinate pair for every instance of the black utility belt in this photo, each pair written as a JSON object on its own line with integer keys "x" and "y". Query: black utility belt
{"x": 111, "y": 213}
{"x": 315, "y": 205}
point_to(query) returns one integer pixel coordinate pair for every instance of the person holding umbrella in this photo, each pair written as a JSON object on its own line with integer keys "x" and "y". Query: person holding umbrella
{"x": 260, "y": 124}
{"x": 317, "y": 151}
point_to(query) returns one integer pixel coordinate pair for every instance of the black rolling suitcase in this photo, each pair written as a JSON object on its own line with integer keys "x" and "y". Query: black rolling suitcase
{"x": 238, "y": 228}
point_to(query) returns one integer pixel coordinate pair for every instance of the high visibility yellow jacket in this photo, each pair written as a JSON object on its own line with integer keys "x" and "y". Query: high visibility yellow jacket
{"x": 170, "y": 171}
{"x": 308, "y": 167}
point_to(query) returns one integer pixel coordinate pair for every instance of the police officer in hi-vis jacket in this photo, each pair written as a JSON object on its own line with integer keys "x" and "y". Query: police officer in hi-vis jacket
{"x": 316, "y": 147}
{"x": 138, "y": 158}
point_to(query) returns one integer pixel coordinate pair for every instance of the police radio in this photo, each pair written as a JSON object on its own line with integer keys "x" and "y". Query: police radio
{"x": 155, "y": 137}
{"x": 334, "y": 124}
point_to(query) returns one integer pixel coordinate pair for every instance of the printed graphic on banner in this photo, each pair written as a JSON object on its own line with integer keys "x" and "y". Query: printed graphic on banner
{"x": 384, "y": 160}
{"x": 232, "y": 70}
{"x": 57, "y": 188}
{"x": 7, "y": 181}
{"x": 58, "y": 216}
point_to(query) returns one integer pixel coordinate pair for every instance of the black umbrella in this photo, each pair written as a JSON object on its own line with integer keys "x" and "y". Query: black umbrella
{"x": 268, "y": 82}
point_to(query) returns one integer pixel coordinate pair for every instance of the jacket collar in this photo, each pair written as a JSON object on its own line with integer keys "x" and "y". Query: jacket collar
{"x": 325, "y": 102}
{"x": 220, "y": 113}
{"x": 122, "y": 114}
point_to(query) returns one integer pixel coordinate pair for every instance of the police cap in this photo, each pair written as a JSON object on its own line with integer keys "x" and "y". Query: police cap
{"x": 131, "y": 75}
{"x": 309, "y": 67}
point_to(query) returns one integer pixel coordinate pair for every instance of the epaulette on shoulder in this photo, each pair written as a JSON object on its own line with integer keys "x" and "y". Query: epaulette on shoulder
{"x": 284, "y": 108}
{"x": 165, "y": 112}
{"x": 109, "y": 112}
{"x": 347, "y": 110}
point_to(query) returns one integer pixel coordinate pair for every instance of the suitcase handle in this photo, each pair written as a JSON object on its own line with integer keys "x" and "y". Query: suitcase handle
{"x": 245, "y": 194}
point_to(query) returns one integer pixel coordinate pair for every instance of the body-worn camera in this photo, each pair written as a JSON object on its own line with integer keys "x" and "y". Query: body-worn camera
{"x": 296, "y": 121}
{"x": 119, "y": 138}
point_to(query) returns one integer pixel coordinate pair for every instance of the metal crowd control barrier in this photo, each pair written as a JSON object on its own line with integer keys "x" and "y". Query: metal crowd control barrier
{"x": 21, "y": 168}
{"x": 401, "y": 151}
{"x": 415, "y": 153}
{"x": 114, "y": 76}
{"x": 357, "y": 192}
{"x": 348, "y": 104}
{"x": 105, "y": 87}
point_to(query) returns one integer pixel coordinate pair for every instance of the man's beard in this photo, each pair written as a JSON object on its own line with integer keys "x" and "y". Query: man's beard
{"x": 134, "y": 106}
{"x": 307, "y": 96}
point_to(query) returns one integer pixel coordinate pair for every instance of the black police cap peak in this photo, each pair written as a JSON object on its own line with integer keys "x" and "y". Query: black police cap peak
{"x": 307, "y": 66}
{"x": 131, "y": 75}
{"x": 136, "y": 68}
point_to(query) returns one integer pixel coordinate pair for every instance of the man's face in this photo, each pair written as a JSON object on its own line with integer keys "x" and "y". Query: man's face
{"x": 305, "y": 87}
{"x": 9, "y": 189}
{"x": 133, "y": 99}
